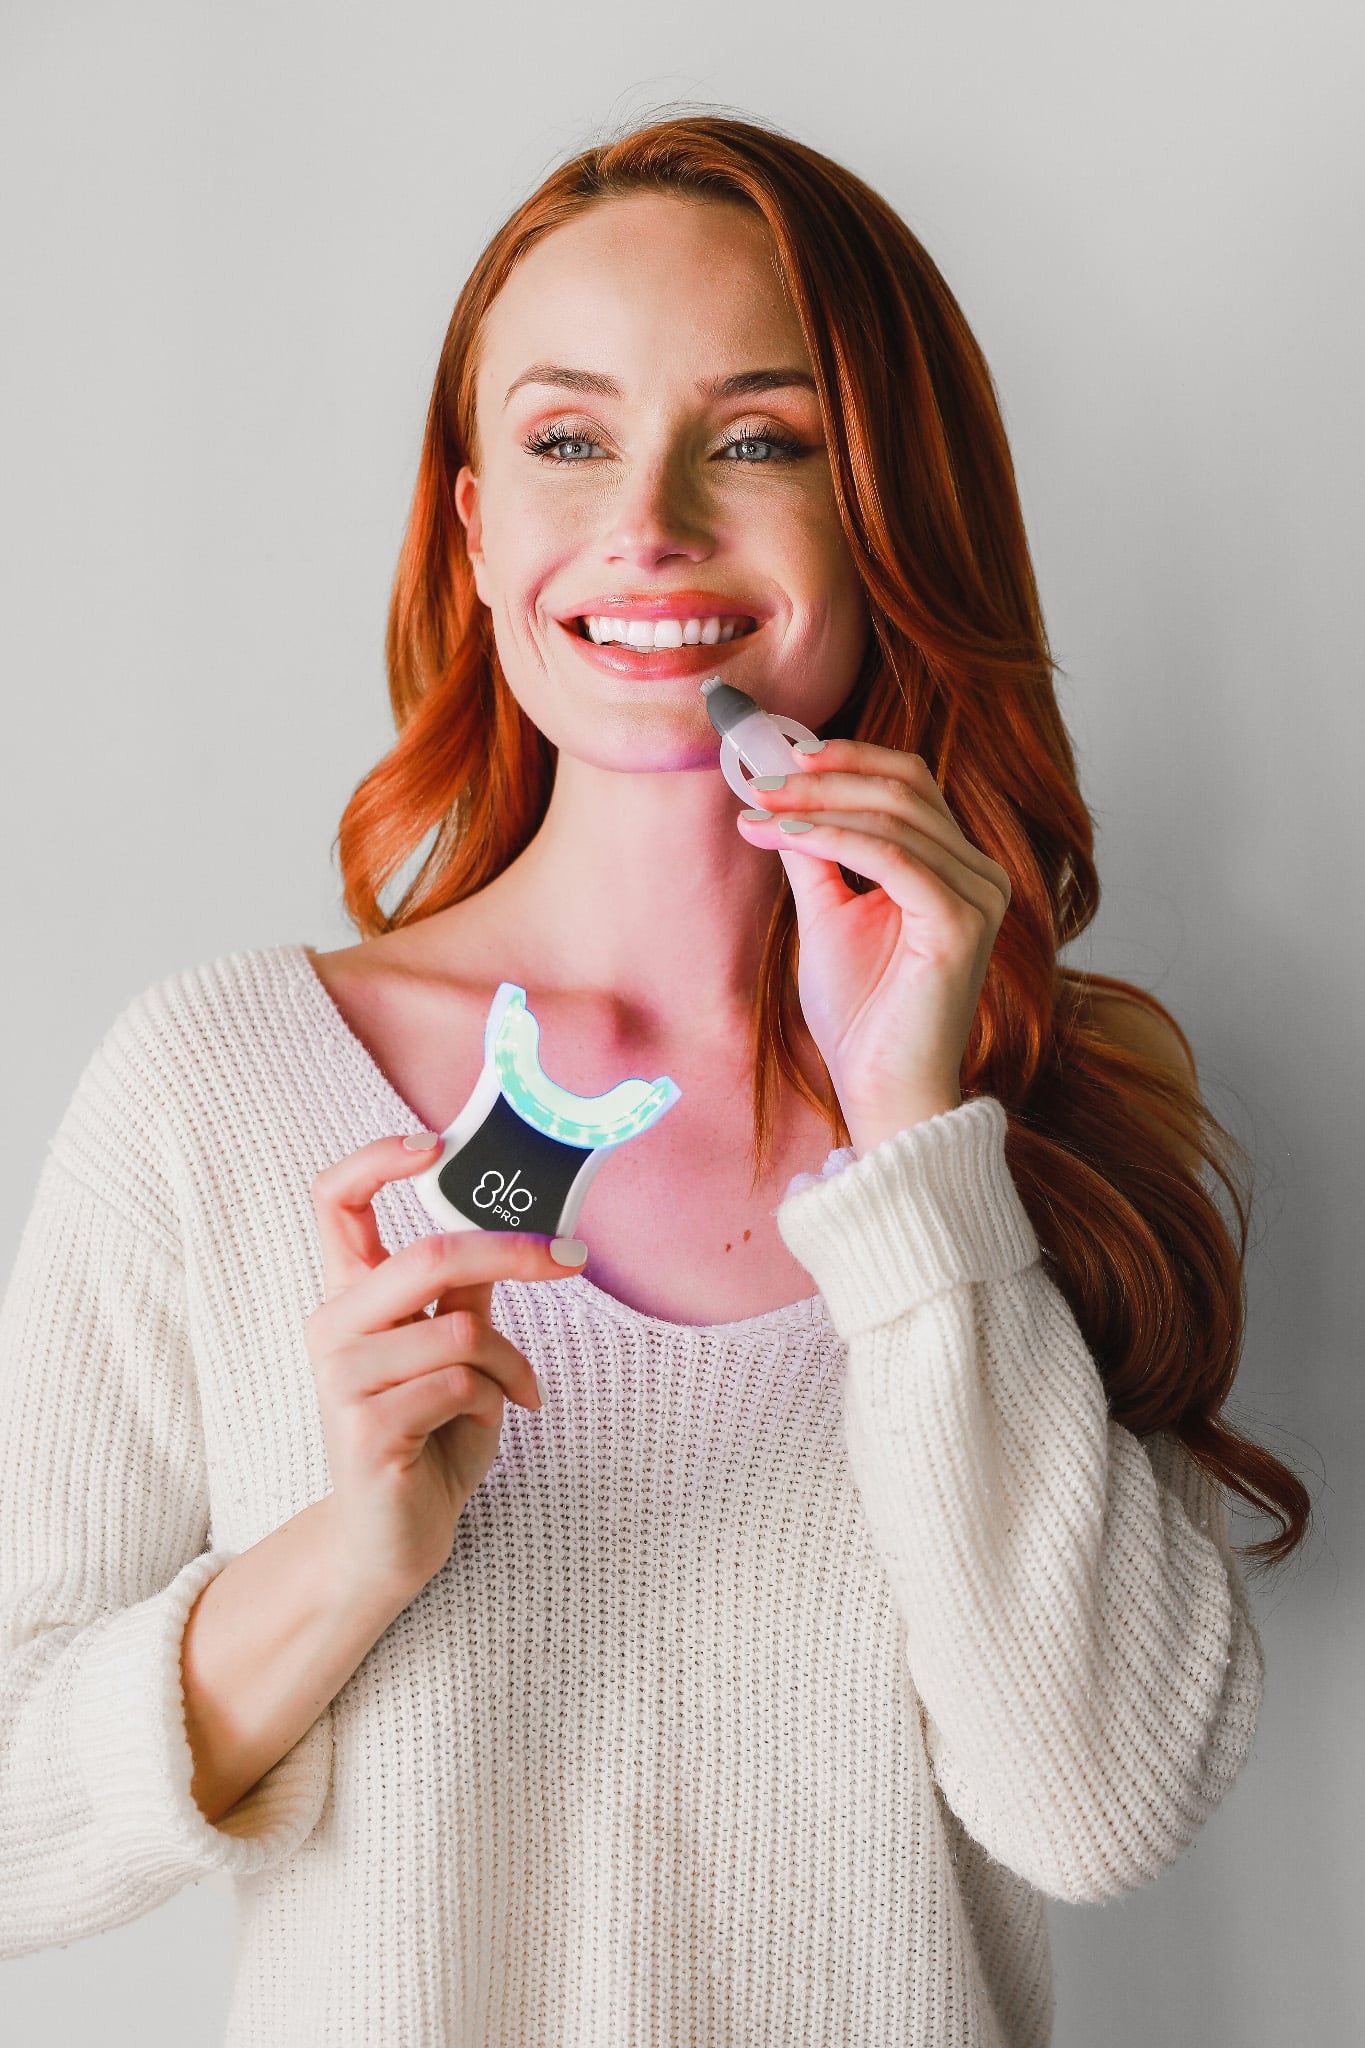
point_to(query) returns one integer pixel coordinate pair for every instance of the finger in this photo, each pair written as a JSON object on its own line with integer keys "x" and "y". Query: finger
{"x": 886, "y": 850}
{"x": 459, "y": 1264}
{"x": 850, "y": 793}
{"x": 865, "y": 757}
{"x": 364, "y": 1366}
{"x": 411, "y": 1412}
{"x": 343, "y": 1194}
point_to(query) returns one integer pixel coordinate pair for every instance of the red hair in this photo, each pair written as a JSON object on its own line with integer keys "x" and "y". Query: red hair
{"x": 1105, "y": 1141}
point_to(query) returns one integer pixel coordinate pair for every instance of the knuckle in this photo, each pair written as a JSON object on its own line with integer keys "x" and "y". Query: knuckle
{"x": 464, "y": 1327}
{"x": 316, "y": 1335}
{"x": 961, "y": 952}
{"x": 342, "y": 1352}
{"x": 430, "y": 1254}
{"x": 462, "y": 1381}
{"x": 323, "y": 1362}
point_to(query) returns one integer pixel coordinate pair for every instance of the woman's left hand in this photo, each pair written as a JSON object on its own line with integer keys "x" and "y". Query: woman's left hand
{"x": 888, "y": 980}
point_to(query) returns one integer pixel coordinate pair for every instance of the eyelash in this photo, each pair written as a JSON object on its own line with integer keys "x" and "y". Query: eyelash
{"x": 543, "y": 444}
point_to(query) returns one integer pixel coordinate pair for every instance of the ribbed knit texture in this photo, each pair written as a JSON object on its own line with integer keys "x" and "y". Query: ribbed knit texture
{"x": 781, "y": 1669}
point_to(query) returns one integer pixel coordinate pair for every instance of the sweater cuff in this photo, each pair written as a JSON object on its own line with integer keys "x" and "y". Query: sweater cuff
{"x": 932, "y": 1207}
{"x": 130, "y": 1745}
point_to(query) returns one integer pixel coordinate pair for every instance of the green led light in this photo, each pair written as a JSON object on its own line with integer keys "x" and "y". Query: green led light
{"x": 587, "y": 1120}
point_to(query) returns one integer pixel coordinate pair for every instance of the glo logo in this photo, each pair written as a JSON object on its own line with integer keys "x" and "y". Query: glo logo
{"x": 503, "y": 1197}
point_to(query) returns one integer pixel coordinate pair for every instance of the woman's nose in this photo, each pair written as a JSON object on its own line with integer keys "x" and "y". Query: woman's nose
{"x": 659, "y": 513}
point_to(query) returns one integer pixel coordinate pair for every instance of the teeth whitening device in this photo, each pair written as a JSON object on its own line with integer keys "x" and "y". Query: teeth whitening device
{"x": 522, "y": 1153}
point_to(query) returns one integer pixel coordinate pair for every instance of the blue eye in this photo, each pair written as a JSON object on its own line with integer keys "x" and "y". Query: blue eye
{"x": 550, "y": 438}
{"x": 546, "y": 443}
{"x": 786, "y": 446}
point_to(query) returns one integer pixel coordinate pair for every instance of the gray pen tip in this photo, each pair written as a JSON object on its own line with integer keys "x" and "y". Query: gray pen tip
{"x": 725, "y": 705}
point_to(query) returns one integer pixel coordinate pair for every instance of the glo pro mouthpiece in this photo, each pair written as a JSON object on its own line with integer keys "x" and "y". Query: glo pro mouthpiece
{"x": 523, "y": 1151}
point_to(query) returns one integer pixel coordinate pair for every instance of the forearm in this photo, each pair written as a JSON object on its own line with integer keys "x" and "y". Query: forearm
{"x": 1075, "y": 1626}
{"x": 268, "y": 1645}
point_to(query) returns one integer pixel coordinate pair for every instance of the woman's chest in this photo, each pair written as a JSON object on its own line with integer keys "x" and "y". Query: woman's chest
{"x": 681, "y": 1235}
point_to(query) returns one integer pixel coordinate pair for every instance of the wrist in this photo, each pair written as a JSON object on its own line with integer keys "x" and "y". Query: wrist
{"x": 352, "y": 1587}
{"x": 866, "y": 1132}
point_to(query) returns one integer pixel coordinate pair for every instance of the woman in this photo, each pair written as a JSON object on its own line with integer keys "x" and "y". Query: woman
{"x": 761, "y": 1683}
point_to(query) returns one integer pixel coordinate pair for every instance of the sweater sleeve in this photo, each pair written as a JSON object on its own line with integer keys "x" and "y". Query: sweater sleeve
{"x": 1076, "y": 1626}
{"x": 104, "y": 1517}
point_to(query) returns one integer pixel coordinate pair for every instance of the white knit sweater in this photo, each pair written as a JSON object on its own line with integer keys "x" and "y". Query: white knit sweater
{"x": 781, "y": 1667}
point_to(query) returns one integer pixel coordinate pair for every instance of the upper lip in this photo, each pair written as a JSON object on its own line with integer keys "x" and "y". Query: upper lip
{"x": 661, "y": 604}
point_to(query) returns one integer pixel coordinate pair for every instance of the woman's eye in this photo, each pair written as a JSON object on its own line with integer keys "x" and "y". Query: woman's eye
{"x": 783, "y": 443}
{"x": 550, "y": 440}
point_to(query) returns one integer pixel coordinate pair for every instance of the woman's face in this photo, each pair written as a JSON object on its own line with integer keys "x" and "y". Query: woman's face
{"x": 660, "y": 487}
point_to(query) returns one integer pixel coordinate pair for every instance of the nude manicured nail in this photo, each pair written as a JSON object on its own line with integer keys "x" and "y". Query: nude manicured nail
{"x": 421, "y": 1141}
{"x": 569, "y": 1251}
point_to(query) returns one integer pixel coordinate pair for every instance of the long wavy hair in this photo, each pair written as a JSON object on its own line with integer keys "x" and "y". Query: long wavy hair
{"x": 1106, "y": 1144}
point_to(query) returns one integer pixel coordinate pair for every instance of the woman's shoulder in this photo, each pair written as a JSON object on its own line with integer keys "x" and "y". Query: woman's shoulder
{"x": 186, "y": 1014}
{"x": 154, "y": 1065}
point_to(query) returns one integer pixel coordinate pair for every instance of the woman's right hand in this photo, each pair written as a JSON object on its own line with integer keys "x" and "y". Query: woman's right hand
{"x": 412, "y": 1404}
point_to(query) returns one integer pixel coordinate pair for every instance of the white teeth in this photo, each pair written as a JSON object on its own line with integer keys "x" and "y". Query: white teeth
{"x": 665, "y": 632}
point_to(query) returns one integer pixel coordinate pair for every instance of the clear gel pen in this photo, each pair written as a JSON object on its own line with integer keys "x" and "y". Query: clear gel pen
{"x": 750, "y": 736}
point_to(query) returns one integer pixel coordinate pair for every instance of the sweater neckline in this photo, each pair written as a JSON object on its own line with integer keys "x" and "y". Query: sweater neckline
{"x": 808, "y": 1311}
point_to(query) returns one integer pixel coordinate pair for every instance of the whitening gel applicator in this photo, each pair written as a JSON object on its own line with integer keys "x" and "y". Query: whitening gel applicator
{"x": 750, "y": 735}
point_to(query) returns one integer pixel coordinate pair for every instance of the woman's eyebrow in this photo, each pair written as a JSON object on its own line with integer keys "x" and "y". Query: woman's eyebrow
{"x": 742, "y": 384}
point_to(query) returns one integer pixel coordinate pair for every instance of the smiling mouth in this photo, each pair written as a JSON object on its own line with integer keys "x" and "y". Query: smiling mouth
{"x": 743, "y": 628}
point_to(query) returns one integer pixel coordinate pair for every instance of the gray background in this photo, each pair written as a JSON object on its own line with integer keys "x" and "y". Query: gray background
{"x": 232, "y": 241}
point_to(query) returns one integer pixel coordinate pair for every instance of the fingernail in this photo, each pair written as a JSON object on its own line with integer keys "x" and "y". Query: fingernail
{"x": 569, "y": 1251}
{"x": 421, "y": 1141}
{"x": 756, "y": 817}
{"x": 796, "y": 824}
{"x": 769, "y": 782}
{"x": 541, "y": 1388}
{"x": 807, "y": 746}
